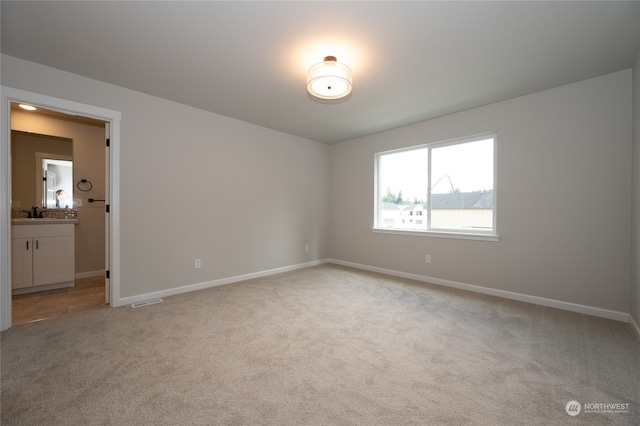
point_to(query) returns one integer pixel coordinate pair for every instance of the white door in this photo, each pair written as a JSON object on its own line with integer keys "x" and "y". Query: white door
{"x": 107, "y": 216}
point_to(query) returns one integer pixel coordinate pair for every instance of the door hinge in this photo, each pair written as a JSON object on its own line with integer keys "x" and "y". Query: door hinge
{"x": 106, "y": 208}
{"x": 44, "y": 179}
{"x": 108, "y": 142}
{"x": 107, "y": 273}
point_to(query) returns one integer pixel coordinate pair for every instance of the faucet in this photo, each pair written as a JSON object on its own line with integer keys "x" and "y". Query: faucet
{"x": 35, "y": 211}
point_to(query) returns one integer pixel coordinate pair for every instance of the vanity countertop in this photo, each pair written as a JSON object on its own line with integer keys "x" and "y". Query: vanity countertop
{"x": 42, "y": 221}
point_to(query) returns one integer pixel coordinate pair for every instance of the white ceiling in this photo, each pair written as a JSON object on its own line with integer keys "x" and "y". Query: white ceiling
{"x": 411, "y": 60}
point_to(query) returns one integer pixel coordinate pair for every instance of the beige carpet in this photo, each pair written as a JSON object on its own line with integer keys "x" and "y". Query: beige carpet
{"x": 322, "y": 346}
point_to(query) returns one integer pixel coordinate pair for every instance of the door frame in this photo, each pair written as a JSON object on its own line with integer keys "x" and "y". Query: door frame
{"x": 112, "y": 118}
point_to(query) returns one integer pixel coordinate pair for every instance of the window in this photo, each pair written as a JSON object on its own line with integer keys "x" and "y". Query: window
{"x": 450, "y": 184}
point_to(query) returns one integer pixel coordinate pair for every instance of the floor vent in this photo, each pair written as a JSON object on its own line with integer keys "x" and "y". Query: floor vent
{"x": 145, "y": 303}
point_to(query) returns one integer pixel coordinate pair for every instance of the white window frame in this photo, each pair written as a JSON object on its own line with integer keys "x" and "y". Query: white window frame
{"x": 484, "y": 235}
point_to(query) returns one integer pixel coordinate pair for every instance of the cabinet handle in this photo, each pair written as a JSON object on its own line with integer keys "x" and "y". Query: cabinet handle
{"x": 27, "y": 245}
{"x": 37, "y": 245}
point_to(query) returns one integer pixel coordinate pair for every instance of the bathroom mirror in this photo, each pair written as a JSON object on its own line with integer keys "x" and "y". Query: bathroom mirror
{"x": 54, "y": 181}
{"x": 41, "y": 171}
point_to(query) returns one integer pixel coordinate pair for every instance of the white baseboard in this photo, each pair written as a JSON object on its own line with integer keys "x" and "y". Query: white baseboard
{"x": 567, "y": 306}
{"x": 208, "y": 284}
{"x": 89, "y": 274}
{"x": 634, "y": 325}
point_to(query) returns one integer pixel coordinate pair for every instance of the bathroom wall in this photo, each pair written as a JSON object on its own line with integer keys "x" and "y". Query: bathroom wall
{"x": 23, "y": 164}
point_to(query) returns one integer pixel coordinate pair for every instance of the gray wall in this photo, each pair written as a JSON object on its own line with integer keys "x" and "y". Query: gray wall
{"x": 635, "y": 214}
{"x": 194, "y": 184}
{"x": 563, "y": 197}
{"x": 247, "y": 199}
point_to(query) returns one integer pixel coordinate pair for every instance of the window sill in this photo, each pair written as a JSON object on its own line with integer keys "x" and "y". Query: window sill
{"x": 439, "y": 234}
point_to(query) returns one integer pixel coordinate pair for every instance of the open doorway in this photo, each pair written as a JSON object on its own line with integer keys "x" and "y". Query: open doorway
{"x": 106, "y": 123}
{"x": 66, "y": 179}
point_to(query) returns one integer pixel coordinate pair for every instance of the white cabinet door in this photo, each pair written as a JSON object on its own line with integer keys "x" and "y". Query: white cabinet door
{"x": 53, "y": 260}
{"x": 21, "y": 262}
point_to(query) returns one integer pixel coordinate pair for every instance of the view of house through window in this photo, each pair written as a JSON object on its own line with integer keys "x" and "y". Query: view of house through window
{"x": 444, "y": 186}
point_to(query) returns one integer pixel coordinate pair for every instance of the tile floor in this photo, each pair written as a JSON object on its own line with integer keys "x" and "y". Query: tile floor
{"x": 86, "y": 294}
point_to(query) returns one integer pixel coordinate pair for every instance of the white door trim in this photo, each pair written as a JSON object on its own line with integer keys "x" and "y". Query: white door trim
{"x": 107, "y": 215}
{"x": 9, "y": 95}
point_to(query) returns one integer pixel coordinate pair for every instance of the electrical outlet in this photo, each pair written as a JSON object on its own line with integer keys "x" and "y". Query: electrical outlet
{"x": 427, "y": 258}
{"x": 197, "y": 264}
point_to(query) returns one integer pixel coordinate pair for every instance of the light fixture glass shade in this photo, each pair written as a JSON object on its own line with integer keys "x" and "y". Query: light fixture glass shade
{"x": 329, "y": 79}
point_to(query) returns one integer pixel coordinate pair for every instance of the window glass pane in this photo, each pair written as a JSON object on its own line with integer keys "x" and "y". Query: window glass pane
{"x": 402, "y": 188}
{"x": 462, "y": 186}
{"x": 455, "y": 177}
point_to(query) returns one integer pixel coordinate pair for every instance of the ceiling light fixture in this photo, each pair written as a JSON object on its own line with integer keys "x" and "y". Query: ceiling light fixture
{"x": 329, "y": 80}
{"x": 27, "y": 107}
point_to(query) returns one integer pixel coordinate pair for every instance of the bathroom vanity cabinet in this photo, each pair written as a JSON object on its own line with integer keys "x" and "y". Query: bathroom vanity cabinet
{"x": 42, "y": 255}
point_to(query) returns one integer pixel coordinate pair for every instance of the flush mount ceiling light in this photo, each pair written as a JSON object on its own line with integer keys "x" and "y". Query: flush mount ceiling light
{"x": 27, "y": 107}
{"x": 329, "y": 80}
